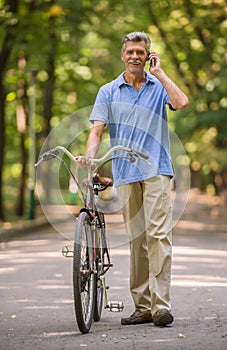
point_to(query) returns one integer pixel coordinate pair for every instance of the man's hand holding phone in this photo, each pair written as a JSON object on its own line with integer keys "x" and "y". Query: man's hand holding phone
{"x": 155, "y": 62}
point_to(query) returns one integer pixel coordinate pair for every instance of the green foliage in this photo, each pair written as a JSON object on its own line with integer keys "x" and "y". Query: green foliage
{"x": 82, "y": 39}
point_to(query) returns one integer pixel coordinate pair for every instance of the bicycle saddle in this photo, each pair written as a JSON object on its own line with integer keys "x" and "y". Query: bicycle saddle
{"x": 100, "y": 180}
{"x": 106, "y": 181}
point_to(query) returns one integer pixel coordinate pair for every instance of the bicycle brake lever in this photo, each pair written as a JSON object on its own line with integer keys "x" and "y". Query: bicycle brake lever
{"x": 132, "y": 158}
{"x": 141, "y": 155}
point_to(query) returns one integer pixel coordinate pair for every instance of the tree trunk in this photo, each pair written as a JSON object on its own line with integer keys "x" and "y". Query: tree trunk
{"x": 21, "y": 128}
{"x": 7, "y": 45}
{"x": 2, "y": 145}
{"x": 49, "y": 97}
{"x": 22, "y": 183}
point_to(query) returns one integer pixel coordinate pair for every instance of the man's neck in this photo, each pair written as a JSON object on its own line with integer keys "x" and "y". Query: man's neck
{"x": 135, "y": 80}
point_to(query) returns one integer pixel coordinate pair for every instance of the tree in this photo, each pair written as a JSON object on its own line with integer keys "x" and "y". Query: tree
{"x": 75, "y": 48}
{"x": 194, "y": 40}
{"x": 10, "y": 27}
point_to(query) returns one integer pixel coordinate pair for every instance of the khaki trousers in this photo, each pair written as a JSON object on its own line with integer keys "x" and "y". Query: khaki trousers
{"x": 148, "y": 219}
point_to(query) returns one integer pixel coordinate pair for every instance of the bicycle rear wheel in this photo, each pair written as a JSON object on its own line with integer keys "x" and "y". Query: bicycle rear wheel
{"x": 84, "y": 280}
{"x": 98, "y": 284}
{"x": 100, "y": 257}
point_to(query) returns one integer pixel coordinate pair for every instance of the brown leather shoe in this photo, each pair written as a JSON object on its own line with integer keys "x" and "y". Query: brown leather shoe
{"x": 138, "y": 317}
{"x": 162, "y": 318}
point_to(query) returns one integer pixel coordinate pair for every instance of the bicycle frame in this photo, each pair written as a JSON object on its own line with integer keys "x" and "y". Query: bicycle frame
{"x": 90, "y": 198}
{"x": 101, "y": 263}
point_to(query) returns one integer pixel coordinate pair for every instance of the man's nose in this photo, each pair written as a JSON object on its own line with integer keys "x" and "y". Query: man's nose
{"x": 134, "y": 54}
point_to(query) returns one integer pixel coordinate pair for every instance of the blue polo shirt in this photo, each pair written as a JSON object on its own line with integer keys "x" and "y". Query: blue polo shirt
{"x": 138, "y": 120}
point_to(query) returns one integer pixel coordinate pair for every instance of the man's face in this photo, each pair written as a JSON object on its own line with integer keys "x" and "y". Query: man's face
{"x": 134, "y": 56}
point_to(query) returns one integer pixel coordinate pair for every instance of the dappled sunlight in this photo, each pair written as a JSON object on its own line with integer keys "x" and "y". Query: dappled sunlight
{"x": 184, "y": 260}
{"x": 199, "y": 281}
{"x": 4, "y": 287}
{"x": 29, "y": 255}
{"x": 33, "y": 304}
{"x": 196, "y": 259}
{"x": 119, "y": 252}
{"x": 18, "y": 260}
{"x": 45, "y": 298}
{"x": 191, "y": 254}
{"x": 23, "y": 260}
{"x": 26, "y": 300}
{"x": 196, "y": 251}
{"x": 119, "y": 287}
{"x": 28, "y": 243}
{"x": 199, "y": 226}
{"x": 55, "y": 286}
{"x": 60, "y": 334}
{"x": 63, "y": 301}
{"x": 161, "y": 340}
{"x": 215, "y": 259}
{"x": 179, "y": 267}
{"x": 191, "y": 283}
{"x": 39, "y": 307}
{"x": 6, "y": 270}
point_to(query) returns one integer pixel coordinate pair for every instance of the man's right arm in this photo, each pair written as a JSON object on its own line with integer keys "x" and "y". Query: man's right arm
{"x": 93, "y": 143}
{"x": 94, "y": 139}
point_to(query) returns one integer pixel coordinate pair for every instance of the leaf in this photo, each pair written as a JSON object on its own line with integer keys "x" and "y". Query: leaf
{"x": 181, "y": 335}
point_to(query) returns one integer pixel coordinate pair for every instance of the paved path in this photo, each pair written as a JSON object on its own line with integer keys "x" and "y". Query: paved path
{"x": 36, "y": 308}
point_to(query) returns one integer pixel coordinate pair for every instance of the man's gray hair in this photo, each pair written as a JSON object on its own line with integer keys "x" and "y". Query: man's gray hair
{"x": 137, "y": 36}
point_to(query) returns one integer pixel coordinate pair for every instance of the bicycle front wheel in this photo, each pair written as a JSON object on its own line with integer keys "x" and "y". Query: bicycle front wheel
{"x": 84, "y": 282}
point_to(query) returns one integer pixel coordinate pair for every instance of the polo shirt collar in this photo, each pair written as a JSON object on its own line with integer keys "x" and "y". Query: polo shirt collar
{"x": 121, "y": 81}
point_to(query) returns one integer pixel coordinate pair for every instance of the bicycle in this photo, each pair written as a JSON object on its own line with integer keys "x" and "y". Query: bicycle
{"x": 91, "y": 256}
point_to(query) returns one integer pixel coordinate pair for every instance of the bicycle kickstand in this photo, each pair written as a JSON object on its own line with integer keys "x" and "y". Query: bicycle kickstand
{"x": 113, "y": 306}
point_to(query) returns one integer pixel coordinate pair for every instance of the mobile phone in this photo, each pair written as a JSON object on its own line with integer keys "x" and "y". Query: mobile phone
{"x": 148, "y": 54}
{"x": 152, "y": 60}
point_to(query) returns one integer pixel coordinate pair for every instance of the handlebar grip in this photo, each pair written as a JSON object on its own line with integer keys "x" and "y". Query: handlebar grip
{"x": 47, "y": 156}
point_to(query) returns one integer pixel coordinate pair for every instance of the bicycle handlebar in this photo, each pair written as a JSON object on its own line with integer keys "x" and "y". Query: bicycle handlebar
{"x": 54, "y": 153}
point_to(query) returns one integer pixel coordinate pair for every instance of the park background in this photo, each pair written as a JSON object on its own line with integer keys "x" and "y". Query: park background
{"x": 54, "y": 56}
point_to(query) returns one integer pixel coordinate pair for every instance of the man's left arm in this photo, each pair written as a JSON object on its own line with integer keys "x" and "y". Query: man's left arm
{"x": 178, "y": 99}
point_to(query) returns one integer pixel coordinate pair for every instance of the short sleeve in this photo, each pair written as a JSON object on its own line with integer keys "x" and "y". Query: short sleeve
{"x": 100, "y": 109}
{"x": 167, "y": 102}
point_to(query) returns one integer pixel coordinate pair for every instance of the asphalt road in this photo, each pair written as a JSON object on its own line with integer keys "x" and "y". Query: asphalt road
{"x": 36, "y": 305}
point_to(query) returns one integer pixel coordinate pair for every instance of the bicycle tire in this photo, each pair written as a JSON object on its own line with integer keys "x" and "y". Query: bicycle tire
{"x": 84, "y": 280}
{"x": 98, "y": 284}
{"x": 100, "y": 256}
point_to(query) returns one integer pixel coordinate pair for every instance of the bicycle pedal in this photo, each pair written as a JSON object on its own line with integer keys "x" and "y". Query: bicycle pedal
{"x": 115, "y": 306}
{"x": 67, "y": 251}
